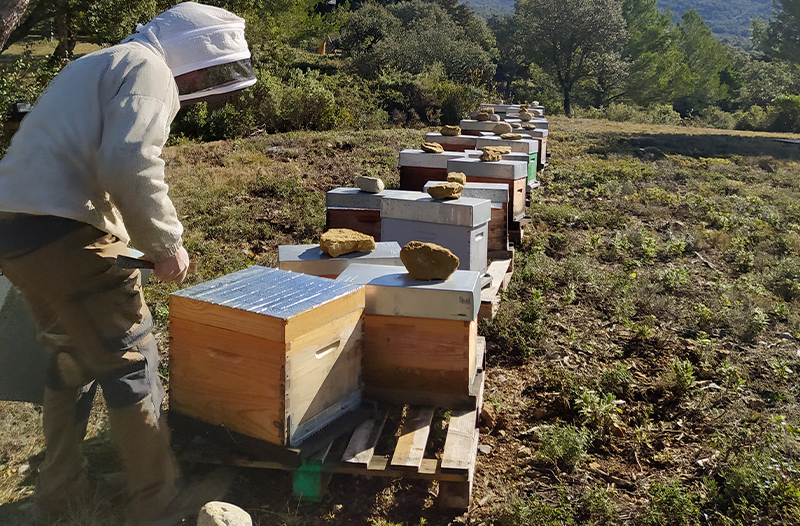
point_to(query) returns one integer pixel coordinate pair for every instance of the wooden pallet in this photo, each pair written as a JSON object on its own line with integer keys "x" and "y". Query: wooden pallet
{"x": 500, "y": 270}
{"x": 356, "y": 450}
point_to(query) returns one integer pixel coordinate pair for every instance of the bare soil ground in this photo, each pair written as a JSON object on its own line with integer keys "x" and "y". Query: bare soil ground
{"x": 643, "y": 365}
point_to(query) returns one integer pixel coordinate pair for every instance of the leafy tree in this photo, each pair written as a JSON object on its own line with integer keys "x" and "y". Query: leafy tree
{"x": 511, "y": 64}
{"x": 413, "y": 35}
{"x": 707, "y": 60}
{"x": 781, "y": 37}
{"x": 658, "y": 70}
{"x": 569, "y": 37}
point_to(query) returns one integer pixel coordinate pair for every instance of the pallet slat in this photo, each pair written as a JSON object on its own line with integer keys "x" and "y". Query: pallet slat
{"x": 490, "y": 296}
{"x": 460, "y": 443}
{"x": 362, "y": 444}
{"x": 410, "y": 448}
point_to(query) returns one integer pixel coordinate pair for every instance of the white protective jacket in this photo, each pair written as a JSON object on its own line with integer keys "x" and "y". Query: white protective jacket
{"x": 90, "y": 149}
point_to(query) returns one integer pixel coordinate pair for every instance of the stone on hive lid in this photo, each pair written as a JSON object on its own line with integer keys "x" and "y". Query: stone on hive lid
{"x": 432, "y": 147}
{"x": 457, "y": 177}
{"x": 372, "y": 185}
{"x": 497, "y": 193}
{"x": 502, "y": 128}
{"x": 494, "y": 117}
{"x": 525, "y": 116}
{"x": 536, "y": 103}
{"x": 511, "y": 136}
{"x": 482, "y": 116}
{"x": 338, "y": 241}
{"x": 491, "y": 156}
{"x": 450, "y": 131}
{"x": 428, "y": 261}
{"x": 448, "y": 190}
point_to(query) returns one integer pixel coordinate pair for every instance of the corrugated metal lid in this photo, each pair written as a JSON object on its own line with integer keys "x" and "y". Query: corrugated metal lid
{"x": 269, "y": 291}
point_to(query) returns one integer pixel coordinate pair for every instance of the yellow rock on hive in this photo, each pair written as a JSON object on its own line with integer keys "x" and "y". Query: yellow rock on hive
{"x": 338, "y": 241}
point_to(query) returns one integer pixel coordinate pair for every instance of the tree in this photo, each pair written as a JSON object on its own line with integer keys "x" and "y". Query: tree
{"x": 512, "y": 64}
{"x": 658, "y": 71}
{"x": 568, "y": 37}
{"x": 781, "y": 37}
{"x": 707, "y": 60}
{"x": 11, "y": 12}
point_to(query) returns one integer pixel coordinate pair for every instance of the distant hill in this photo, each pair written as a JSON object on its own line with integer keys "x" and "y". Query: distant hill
{"x": 729, "y": 19}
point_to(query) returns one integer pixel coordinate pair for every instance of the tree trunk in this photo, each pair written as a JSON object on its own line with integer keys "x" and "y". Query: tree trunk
{"x": 66, "y": 38}
{"x": 11, "y": 12}
{"x": 567, "y": 102}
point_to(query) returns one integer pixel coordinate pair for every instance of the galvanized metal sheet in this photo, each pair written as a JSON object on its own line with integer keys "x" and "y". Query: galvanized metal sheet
{"x": 505, "y": 170}
{"x": 470, "y": 124}
{"x": 309, "y": 259}
{"x": 497, "y": 193}
{"x": 354, "y": 198}
{"x": 468, "y": 141}
{"x": 392, "y": 292}
{"x": 268, "y": 291}
{"x": 419, "y": 158}
{"x": 528, "y": 146}
{"x": 469, "y": 244}
{"x": 419, "y": 206}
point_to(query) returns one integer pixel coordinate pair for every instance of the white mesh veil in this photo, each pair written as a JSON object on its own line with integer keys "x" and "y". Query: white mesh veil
{"x": 195, "y": 37}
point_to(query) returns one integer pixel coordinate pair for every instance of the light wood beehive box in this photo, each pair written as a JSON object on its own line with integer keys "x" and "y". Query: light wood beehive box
{"x": 420, "y": 336}
{"x": 271, "y": 354}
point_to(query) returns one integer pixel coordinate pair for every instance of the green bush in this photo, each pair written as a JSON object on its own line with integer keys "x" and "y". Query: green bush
{"x": 713, "y": 117}
{"x": 671, "y": 505}
{"x": 564, "y": 447}
{"x": 784, "y": 114}
{"x": 755, "y": 118}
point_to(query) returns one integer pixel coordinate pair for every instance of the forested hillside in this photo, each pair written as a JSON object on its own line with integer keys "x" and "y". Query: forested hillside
{"x": 729, "y": 19}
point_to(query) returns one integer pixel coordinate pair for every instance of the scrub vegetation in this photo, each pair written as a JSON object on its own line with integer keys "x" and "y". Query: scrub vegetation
{"x": 644, "y": 360}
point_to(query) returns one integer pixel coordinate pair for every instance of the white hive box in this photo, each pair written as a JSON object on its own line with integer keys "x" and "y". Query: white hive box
{"x": 497, "y": 194}
{"x": 420, "y": 337}
{"x": 460, "y": 225}
{"x": 309, "y": 259}
{"x": 512, "y": 173}
{"x": 453, "y": 143}
{"x": 351, "y": 208}
{"x": 418, "y": 167}
{"x": 472, "y": 127}
{"x": 271, "y": 354}
{"x": 526, "y": 146}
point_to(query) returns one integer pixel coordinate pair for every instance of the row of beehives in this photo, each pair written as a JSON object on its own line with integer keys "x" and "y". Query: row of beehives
{"x": 277, "y": 354}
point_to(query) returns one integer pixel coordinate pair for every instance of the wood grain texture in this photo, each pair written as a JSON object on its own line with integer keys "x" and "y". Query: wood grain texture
{"x": 242, "y": 321}
{"x": 417, "y": 355}
{"x": 362, "y": 444}
{"x": 498, "y": 229}
{"x": 223, "y": 377}
{"x": 410, "y": 449}
{"x": 460, "y": 444}
{"x": 415, "y": 177}
{"x": 365, "y": 221}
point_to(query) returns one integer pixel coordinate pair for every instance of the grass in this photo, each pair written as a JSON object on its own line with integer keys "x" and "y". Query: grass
{"x": 655, "y": 300}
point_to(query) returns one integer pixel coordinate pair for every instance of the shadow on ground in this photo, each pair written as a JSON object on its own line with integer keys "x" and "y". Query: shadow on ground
{"x": 720, "y": 145}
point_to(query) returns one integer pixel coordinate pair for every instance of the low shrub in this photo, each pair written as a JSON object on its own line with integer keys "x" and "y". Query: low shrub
{"x": 564, "y": 447}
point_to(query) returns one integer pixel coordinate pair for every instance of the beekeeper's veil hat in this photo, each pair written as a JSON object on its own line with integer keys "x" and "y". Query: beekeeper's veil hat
{"x": 200, "y": 38}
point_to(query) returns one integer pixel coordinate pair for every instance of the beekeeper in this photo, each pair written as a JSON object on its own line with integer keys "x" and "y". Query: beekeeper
{"x": 81, "y": 179}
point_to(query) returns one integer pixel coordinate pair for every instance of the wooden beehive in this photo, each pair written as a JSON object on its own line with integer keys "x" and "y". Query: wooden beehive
{"x": 360, "y": 211}
{"x": 267, "y": 353}
{"x": 420, "y": 336}
{"x": 513, "y": 173}
{"x": 497, "y": 194}
{"x": 418, "y": 167}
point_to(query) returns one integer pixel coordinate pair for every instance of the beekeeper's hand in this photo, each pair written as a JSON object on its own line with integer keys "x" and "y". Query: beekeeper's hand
{"x": 174, "y": 268}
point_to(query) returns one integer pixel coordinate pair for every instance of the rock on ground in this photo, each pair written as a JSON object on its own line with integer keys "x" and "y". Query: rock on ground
{"x": 448, "y": 190}
{"x": 511, "y": 136}
{"x": 457, "y": 177}
{"x": 428, "y": 261}
{"x": 501, "y": 128}
{"x": 372, "y": 185}
{"x": 432, "y": 147}
{"x": 450, "y": 131}
{"x": 217, "y": 513}
{"x": 338, "y": 241}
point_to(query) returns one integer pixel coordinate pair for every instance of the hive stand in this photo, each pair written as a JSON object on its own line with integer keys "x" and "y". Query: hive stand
{"x": 352, "y": 449}
{"x": 500, "y": 269}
